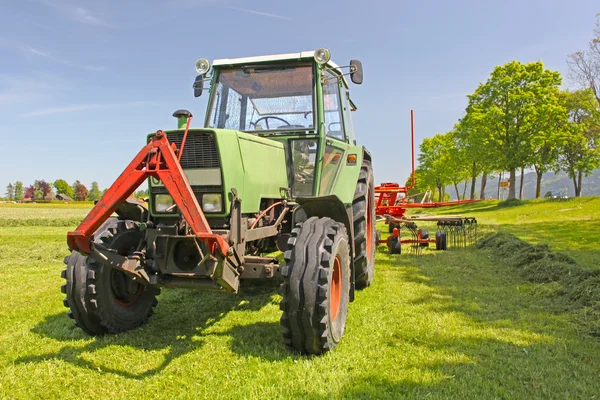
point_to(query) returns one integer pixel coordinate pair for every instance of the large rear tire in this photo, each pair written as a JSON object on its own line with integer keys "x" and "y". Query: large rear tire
{"x": 363, "y": 210}
{"x": 103, "y": 300}
{"x": 316, "y": 286}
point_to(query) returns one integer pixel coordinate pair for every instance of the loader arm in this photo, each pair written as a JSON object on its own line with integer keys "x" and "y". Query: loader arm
{"x": 157, "y": 159}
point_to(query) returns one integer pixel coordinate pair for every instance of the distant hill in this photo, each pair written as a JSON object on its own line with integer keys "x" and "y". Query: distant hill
{"x": 552, "y": 182}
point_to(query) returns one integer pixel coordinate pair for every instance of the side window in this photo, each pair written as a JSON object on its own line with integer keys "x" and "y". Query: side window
{"x": 332, "y": 107}
{"x": 304, "y": 157}
{"x": 348, "y": 115}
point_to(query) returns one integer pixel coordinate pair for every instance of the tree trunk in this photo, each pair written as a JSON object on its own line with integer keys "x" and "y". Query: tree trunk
{"x": 483, "y": 183}
{"x": 579, "y": 179}
{"x": 511, "y": 184}
{"x": 538, "y": 183}
{"x": 440, "y": 193}
{"x": 457, "y": 193}
{"x": 473, "y": 181}
{"x": 499, "y": 180}
{"x": 465, "y": 189}
{"x": 521, "y": 184}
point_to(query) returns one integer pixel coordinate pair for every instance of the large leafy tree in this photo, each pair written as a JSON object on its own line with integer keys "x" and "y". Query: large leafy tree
{"x": 432, "y": 164}
{"x": 505, "y": 107}
{"x": 579, "y": 150}
{"x": 473, "y": 142}
{"x": 547, "y": 124}
{"x": 585, "y": 65}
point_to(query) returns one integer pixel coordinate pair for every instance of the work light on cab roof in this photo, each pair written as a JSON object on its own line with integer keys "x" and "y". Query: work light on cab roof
{"x": 273, "y": 166}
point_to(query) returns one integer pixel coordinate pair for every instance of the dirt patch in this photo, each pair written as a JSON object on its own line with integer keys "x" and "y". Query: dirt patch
{"x": 538, "y": 264}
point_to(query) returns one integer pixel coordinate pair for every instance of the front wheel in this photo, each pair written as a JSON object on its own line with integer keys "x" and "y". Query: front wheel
{"x": 101, "y": 299}
{"x": 316, "y": 286}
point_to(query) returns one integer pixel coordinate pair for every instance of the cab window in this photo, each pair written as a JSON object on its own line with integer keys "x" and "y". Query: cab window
{"x": 332, "y": 107}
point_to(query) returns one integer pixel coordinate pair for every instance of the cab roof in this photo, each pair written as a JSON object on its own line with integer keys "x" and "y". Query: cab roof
{"x": 303, "y": 55}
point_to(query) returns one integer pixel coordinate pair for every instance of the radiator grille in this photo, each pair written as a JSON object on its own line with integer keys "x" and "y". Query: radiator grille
{"x": 200, "y": 150}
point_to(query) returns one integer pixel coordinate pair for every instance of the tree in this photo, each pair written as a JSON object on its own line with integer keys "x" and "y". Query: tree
{"x": 30, "y": 192}
{"x": 80, "y": 190}
{"x": 431, "y": 163}
{"x": 473, "y": 141}
{"x": 505, "y": 107}
{"x": 45, "y": 188}
{"x": 584, "y": 66}
{"x": 579, "y": 150}
{"x": 549, "y": 119}
{"x": 94, "y": 193}
{"x": 10, "y": 192}
{"x": 19, "y": 193}
{"x": 142, "y": 194}
{"x": 63, "y": 187}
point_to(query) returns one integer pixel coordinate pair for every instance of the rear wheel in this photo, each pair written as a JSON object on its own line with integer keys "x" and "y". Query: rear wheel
{"x": 316, "y": 286}
{"x": 440, "y": 240}
{"x": 363, "y": 211}
{"x": 101, "y": 299}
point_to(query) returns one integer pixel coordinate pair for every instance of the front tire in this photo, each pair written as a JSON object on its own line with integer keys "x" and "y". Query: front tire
{"x": 316, "y": 286}
{"x": 103, "y": 300}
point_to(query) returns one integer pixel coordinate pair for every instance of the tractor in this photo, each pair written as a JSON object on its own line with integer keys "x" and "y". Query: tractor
{"x": 274, "y": 175}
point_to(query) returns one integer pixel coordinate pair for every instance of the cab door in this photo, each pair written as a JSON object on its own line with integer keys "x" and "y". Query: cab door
{"x": 336, "y": 140}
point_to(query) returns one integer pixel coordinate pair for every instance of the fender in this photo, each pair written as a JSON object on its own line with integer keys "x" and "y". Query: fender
{"x": 328, "y": 206}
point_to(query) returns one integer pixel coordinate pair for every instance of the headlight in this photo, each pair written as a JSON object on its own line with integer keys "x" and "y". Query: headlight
{"x": 202, "y": 66}
{"x": 212, "y": 203}
{"x": 163, "y": 203}
{"x": 322, "y": 55}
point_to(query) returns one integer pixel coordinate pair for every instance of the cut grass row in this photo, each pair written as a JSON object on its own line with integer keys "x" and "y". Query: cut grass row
{"x": 42, "y": 214}
{"x": 571, "y": 226}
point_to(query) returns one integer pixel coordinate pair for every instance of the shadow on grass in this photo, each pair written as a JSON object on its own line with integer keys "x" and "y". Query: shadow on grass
{"x": 177, "y": 328}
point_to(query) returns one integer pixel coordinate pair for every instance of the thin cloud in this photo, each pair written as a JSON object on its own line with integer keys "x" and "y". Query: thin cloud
{"x": 81, "y": 107}
{"x": 63, "y": 61}
{"x": 78, "y": 14}
{"x": 264, "y": 14}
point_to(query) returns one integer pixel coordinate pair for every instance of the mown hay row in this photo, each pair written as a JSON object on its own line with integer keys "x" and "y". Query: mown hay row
{"x": 538, "y": 264}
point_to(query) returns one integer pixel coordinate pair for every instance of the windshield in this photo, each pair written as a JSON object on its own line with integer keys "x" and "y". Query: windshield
{"x": 265, "y": 98}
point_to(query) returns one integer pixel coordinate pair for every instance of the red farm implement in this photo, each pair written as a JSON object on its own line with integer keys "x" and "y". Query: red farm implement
{"x": 392, "y": 202}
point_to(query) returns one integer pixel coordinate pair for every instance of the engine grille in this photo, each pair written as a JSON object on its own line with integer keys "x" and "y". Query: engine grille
{"x": 200, "y": 150}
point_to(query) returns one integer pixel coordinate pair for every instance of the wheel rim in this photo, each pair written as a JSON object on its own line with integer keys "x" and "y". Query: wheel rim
{"x": 125, "y": 289}
{"x": 336, "y": 288}
{"x": 369, "y": 231}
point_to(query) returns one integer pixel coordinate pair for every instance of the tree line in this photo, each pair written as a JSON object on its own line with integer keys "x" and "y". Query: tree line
{"x": 42, "y": 190}
{"x": 520, "y": 119}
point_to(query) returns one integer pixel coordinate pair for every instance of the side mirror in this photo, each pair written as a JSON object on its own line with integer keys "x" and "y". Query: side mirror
{"x": 356, "y": 71}
{"x": 199, "y": 86}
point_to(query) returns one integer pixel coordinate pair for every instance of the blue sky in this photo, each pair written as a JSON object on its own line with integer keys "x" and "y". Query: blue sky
{"x": 83, "y": 82}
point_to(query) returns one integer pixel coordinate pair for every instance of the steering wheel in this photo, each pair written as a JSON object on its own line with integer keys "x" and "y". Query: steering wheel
{"x": 266, "y": 118}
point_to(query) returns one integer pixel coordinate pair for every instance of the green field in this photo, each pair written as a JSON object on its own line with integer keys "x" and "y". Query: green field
{"x": 455, "y": 324}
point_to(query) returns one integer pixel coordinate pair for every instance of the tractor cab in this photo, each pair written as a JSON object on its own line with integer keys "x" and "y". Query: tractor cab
{"x": 300, "y": 100}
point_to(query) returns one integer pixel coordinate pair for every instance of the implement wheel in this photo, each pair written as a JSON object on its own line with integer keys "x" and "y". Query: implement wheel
{"x": 316, "y": 286}
{"x": 363, "y": 210}
{"x": 103, "y": 300}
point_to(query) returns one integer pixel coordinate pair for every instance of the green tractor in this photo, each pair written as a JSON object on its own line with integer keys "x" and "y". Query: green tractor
{"x": 275, "y": 169}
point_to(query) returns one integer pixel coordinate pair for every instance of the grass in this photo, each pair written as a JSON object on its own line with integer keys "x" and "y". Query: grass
{"x": 571, "y": 226}
{"x": 456, "y": 324}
